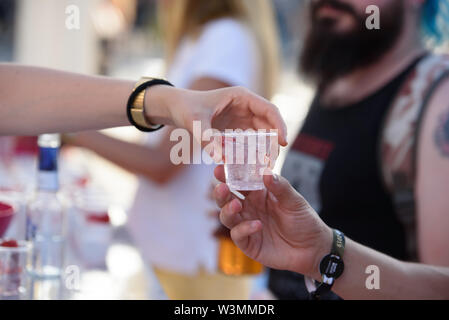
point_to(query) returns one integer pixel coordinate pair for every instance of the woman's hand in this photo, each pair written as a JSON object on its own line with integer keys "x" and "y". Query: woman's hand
{"x": 276, "y": 226}
{"x": 227, "y": 108}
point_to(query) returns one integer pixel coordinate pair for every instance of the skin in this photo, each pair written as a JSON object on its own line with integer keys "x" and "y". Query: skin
{"x": 278, "y": 228}
{"x": 432, "y": 166}
{"x": 38, "y": 100}
{"x": 265, "y": 226}
{"x": 150, "y": 162}
{"x": 432, "y": 184}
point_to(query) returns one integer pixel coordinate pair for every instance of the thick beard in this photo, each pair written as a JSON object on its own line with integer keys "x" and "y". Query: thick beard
{"x": 328, "y": 55}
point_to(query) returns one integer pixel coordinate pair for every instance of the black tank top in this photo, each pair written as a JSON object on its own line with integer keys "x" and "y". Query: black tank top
{"x": 334, "y": 164}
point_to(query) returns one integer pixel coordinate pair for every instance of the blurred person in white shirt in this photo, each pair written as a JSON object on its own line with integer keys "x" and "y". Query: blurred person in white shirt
{"x": 209, "y": 44}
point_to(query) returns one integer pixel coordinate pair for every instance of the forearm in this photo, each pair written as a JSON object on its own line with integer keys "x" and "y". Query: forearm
{"x": 142, "y": 160}
{"x": 37, "y": 100}
{"x": 397, "y": 280}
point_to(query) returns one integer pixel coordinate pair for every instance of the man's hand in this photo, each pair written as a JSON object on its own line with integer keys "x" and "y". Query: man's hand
{"x": 276, "y": 226}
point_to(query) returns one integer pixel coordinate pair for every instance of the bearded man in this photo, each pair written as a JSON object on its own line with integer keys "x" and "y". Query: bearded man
{"x": 372, "y": 157}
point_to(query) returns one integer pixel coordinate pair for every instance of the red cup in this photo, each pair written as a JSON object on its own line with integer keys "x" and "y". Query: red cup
{"x": 97, "y": 217}
{"x": 6, "y": 214}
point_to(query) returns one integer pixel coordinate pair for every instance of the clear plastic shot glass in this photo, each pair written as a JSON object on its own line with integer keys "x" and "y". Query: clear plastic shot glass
{"x": 246, "y": 156}
{"x": 14, "y": 259}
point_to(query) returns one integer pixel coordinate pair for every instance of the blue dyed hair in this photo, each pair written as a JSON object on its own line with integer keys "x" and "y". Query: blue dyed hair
{"x": 435, "y": 20}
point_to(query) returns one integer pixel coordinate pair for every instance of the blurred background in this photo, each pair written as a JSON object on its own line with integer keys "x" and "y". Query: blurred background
{"x": 153, "y": 234}
{"x": 117, "y": 38}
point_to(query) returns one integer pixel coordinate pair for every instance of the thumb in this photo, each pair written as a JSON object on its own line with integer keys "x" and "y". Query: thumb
{"x": 284, "y": 193}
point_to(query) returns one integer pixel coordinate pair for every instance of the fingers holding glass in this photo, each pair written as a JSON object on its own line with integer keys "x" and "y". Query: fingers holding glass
{"x": 222, "y": 195}
{"x": 230, "y": 214}
{"x": 220, "y": 173}
{"x": 241, "y": 232}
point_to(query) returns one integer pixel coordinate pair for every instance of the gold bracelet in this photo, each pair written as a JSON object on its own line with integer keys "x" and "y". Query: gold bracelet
{"x": 137, "y": 109}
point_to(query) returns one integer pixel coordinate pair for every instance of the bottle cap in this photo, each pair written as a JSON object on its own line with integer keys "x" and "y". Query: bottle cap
{"x": 49, "y": 140}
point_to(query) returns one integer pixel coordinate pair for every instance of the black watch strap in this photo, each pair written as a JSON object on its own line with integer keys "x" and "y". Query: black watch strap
{"x": 338, "y": 243}
{"x": 331, "y": 266}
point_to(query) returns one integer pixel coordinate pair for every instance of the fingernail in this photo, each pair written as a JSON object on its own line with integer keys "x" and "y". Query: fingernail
{"x": 236, "y": 204}
{"x": 254, "y": 225}
{"x": 219, "y": 191}
{"x": 275, "y": 177}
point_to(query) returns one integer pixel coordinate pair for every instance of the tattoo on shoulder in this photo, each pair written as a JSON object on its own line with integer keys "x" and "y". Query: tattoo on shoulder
{"x": 442, "y": 135}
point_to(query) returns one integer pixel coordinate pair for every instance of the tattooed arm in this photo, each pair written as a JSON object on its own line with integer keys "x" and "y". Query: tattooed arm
{"x": 433, "y": 181}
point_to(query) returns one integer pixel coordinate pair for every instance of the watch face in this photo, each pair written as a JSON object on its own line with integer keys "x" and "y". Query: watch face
{"x": 332, "y": 266}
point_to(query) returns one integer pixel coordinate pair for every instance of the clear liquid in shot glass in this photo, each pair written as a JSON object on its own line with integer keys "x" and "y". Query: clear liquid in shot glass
{"x": 246, "y": 156}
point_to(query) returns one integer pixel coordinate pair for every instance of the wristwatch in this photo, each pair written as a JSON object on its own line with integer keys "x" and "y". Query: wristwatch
{"x": 136, "y": 104}
{"x": 331, "y": 267}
